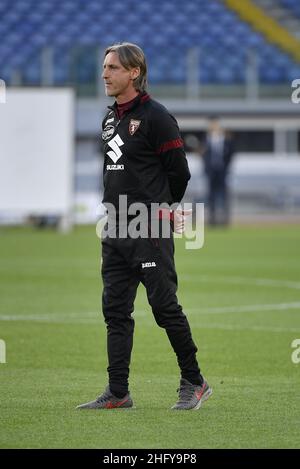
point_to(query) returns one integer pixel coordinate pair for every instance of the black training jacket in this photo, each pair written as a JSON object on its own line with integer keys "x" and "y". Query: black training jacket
{"x": 143, "y": 155}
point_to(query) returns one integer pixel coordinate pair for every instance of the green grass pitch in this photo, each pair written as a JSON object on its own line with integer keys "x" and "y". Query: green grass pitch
{"x": 241, "y": 293}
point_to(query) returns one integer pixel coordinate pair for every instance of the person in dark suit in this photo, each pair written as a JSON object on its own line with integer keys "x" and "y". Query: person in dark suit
{"x": 217, "y": 156}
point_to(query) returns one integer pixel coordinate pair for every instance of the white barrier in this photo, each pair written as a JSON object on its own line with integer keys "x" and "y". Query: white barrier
{"x": 36, "y": 152}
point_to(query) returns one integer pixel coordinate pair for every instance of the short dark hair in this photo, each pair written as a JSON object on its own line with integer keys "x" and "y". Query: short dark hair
{"x": 131, "y": 56}
{"x": 213, "y": 117}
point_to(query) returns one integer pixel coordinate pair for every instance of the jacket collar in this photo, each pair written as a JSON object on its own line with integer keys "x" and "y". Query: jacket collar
{"x": 141, "y": 98}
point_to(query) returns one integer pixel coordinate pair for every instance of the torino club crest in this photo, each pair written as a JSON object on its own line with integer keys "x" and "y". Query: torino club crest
{"x": 133, "y": 126}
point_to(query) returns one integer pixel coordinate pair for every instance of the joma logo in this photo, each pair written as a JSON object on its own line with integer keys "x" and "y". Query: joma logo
{"x": 148, "y": 264}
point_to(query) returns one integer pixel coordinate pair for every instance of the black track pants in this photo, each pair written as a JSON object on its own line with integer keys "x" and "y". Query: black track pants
{"x": 126, "y": 263}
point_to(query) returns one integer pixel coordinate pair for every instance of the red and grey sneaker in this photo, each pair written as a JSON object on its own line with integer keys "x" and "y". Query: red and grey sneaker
{"x": 108, "y": 401}
{"x": 191, "y": 396}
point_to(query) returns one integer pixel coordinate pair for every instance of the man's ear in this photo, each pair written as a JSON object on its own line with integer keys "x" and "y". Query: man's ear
{"x": 135, "y": 72}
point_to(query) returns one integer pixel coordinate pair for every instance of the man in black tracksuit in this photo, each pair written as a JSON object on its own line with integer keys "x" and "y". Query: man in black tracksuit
{"x": 145, "y": 163}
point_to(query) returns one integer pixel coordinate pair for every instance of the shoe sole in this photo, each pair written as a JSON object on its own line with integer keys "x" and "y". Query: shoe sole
{"x": 204, "y": 398}
{"x": 125, "y": 405}
{"x": 105, "y": 408}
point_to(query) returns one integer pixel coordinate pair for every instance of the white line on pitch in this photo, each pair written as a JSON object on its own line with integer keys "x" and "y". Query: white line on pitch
{"x": 233, "y": 327}
{"x": 247, "y": 308}
{"x": 83, "y": 317}
{"x": 243, "y": 281}
{"x": 96, "y": 317}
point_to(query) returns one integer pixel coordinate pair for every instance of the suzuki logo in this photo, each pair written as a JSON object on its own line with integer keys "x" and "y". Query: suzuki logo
{"x": 115, "y": 144}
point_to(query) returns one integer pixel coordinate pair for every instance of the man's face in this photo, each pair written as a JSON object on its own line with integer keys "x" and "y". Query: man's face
{"x": 215, "y": 127}
{"x": 118, "y": 81}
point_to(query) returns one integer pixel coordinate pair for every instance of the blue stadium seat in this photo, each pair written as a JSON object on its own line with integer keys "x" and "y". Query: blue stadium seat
{"x": 32, "y": 73}
{"x": 292, "y": 5}
{"x": 293, "y": 72}
{"x": 272, "y": 73}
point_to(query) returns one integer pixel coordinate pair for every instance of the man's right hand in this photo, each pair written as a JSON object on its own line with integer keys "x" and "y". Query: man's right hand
{"x": 179, "y": 219}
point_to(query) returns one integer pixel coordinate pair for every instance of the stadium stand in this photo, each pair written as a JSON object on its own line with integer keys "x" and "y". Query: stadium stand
{"x": 281, "y": 13}
{"x": 204, "y": 58}
{"x": 27, "y": 27}
{"x": 268, "y": 26}
{"x": 292, "y": 5}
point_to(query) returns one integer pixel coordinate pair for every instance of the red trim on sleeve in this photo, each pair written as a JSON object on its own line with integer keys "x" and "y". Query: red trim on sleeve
{"x": 165, "y": 214}
{"x": 171, "y": 145}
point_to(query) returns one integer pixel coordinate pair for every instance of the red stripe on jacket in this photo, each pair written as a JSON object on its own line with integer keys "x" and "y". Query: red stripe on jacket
{"x": 171, "y": 145}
